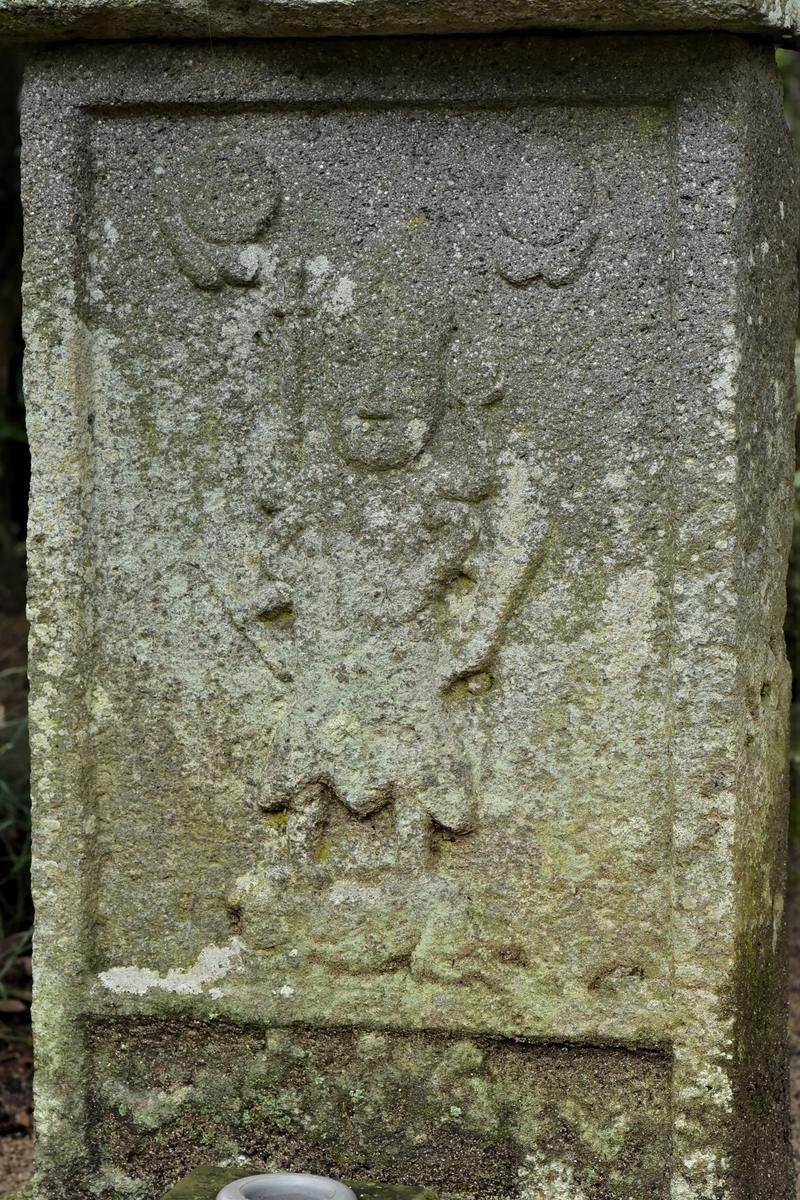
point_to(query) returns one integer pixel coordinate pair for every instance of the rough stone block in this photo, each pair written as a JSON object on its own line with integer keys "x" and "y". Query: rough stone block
{"x": 412, "y": 436}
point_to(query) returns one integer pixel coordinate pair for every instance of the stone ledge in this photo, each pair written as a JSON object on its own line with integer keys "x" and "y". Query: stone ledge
{"x": 29, "y": 21}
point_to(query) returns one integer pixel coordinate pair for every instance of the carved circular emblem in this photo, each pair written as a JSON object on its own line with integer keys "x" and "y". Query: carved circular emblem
{"x": 214, "y": 210}
{"x": 545, "y": 213}
{"x": 227, "y": 195}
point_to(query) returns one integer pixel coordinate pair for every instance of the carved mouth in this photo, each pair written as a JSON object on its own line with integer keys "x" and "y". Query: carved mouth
{"x": 373, "y": 418}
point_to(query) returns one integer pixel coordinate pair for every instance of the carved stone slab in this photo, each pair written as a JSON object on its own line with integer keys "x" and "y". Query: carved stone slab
{"x": 412, "y": 448}
{"x": 27, "y": 21}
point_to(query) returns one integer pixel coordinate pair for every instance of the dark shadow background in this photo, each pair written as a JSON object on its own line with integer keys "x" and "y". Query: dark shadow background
{"x": 16, "y": 908}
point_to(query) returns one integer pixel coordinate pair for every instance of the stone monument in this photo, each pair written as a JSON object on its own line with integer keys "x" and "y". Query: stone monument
{"x": 412, "y": 433}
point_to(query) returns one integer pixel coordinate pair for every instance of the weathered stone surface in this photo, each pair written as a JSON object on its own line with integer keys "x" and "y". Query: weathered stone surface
{"x": 412, "y": 430}
{"x": 203, "y": 1183}
{"x": 50, "y": 20}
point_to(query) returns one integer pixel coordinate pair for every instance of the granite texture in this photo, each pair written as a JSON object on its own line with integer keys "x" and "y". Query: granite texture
{"x": 412, "y": 439}
{"x": 27, "y": 21}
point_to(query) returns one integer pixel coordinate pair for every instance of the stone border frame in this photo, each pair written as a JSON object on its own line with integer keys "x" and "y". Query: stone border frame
{"x": 732, "y": 406}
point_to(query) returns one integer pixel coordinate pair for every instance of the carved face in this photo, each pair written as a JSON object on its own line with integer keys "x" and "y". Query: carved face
{"x": 380, "y": 379}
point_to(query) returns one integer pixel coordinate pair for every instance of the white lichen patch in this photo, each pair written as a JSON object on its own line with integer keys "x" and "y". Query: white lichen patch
{"x": 723, "y": 384}
{"x": 548, "y": 1180}
{"x": 629, "y": 610}
{"x": 342, "y": 297}
{"x": 149, "y": 1108}
{"x": 99, "y": 703}
{"x": 213, "y": 963}
{"x": 777, "y": 919}
{"x": 616, "y": 481}
{"x": 112, "y": 236}
{"x": 112, "y": 1182}
{"x": 317, "y": 269}
{"x": 340, "y": 728}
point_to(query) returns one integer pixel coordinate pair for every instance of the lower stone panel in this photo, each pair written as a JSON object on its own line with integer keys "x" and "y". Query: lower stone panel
{"x": 469, "y": 1117}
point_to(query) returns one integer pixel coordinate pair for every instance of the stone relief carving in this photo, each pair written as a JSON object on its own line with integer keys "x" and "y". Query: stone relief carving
{"x": 401, "y": 533}
{"x": 215, "y": 213}
{"x": 401, "y": 529}
{"x": 397, "y": 531}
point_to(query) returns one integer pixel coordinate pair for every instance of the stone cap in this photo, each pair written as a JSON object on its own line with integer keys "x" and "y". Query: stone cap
{"x": 28, "y": 21}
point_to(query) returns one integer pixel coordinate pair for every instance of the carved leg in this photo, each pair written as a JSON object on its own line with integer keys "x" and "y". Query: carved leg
{"x": 307, "y": 817}
{"x": 450, "y": 797}
{"x": 412, "y": 825}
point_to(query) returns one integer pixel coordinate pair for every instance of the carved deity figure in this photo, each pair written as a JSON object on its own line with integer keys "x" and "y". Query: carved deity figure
{"x": 400, "y": 541}
{"x": 400, "y": 535}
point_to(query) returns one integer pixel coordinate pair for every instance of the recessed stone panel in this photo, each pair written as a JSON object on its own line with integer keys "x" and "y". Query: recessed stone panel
{"x": 395, "y": 518}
